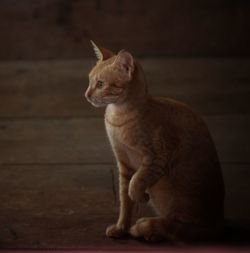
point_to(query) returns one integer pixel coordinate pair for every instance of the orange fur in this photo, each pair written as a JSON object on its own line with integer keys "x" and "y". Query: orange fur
{"x": 164, "y": 153}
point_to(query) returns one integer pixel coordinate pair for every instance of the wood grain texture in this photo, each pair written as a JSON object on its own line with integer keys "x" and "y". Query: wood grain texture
{"x": 62, "y": 29}
{"x": 48, "y": 206}
{"x": 56, "y": 89}
{"x": 70, "y": 206}
{"x": 58, "y": 179}
{"x": 85, "y": 140}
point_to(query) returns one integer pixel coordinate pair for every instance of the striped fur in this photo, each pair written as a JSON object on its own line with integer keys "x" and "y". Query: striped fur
{"x": 164, "y": 153}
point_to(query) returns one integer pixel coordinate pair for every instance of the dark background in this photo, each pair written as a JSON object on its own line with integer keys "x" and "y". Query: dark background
{"x": 62, "y": 28}
{"x": 58, "y": 177}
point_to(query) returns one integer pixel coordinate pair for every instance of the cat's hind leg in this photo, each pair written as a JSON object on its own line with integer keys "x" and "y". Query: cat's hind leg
{"x": 155, "y": 229}
{"x": 151, "y": 229}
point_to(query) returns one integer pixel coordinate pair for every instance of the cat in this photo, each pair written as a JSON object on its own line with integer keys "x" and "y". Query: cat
{"x": 164, "y": 154}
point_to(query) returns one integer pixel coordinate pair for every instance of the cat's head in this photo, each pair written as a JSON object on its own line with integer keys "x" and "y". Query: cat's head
{"x": 110, "y": 77}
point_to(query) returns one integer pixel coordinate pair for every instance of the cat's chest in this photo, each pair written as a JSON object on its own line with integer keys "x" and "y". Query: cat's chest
{"x": 121, "y": 138}
{"x": 121, "y": 129}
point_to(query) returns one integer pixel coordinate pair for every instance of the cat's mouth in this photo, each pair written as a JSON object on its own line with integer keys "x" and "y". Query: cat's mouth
{"x": 96, "y": 102}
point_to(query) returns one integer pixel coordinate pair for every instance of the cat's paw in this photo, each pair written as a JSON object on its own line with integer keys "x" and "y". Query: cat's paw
{"x": 115, "y": 231}
{"x": 137, "y": 195}
{"x": 142, "y": 197}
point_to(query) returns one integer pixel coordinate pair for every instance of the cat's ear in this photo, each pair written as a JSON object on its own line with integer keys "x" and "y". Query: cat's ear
{"x": 124, "y": 62}
{"x": 101, "y": 53}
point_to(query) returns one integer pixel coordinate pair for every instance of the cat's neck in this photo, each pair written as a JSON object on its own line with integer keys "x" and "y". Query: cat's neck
{"x": 135, "y": 102}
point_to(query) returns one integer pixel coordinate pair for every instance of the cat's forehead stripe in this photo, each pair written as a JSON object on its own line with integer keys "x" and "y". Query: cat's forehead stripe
{"x": 101, "y": 66}
{"x": 99, "y": 70}
{"x": 97, "y": 73}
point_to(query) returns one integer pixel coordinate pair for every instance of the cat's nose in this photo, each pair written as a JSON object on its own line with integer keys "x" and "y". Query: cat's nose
{"x": 88, "y": 94}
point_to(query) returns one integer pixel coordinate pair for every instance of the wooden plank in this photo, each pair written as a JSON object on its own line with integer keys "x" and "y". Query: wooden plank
{"x": 67, "y": 206}
{"x": 172, "y": 28}
{"x": 62, "y": 177}
{"x": 51, "y": 206}
{"x": 56, "y": 88}
{"x": 20, "y": 179}
{"x": 85, "y": 141}
{"x": 70, "y": 206}
{"x": 231, "y": 136}
{"x": 54, "y": 141}
{"x": 45, "y": 89}
{"x": 212, "y": 86}
{"x": 236, "y": 177}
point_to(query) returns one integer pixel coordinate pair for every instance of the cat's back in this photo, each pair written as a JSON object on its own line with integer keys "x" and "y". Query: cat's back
{"x": 165, "y": 110}
{"x": 179, "y": 124}
{"x": 170, "y": 105}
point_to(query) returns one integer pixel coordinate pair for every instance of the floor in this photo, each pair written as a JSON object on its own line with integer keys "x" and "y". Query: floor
{"x": 58, "y": 180}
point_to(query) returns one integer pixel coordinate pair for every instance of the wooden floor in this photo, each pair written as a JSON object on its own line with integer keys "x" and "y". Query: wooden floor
{"x": 58, "y": 184}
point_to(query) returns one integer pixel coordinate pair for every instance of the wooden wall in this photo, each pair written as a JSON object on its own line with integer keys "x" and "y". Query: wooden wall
{"x": 31, "y": 29}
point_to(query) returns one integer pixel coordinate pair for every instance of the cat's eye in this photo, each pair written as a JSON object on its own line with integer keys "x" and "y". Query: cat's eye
{"x": 99, "y": 84}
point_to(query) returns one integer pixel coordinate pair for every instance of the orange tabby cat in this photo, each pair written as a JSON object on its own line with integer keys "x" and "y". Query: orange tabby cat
{"x": 164, "y": 153}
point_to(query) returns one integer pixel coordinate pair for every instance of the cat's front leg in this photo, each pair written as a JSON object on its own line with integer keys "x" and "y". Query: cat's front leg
{"x": 137, "y": 190}
{"x": 123, "y": 224}
{"x": 148, "y": 174}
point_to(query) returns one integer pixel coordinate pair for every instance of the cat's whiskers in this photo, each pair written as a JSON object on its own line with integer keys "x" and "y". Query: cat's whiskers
{"x": 111, "y": 99}
{"x": 103, "y": 101}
